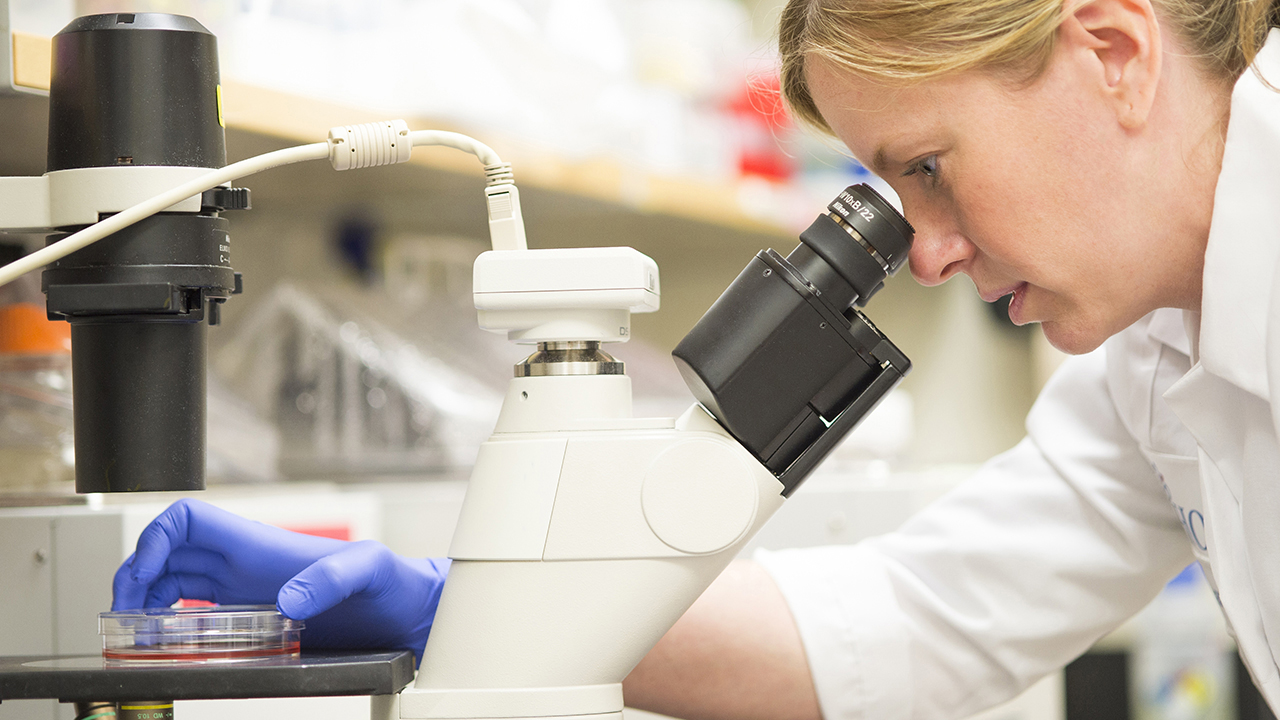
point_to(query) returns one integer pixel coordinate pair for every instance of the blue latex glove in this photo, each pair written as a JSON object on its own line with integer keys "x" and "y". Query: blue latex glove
{"x": 351, "y": 594}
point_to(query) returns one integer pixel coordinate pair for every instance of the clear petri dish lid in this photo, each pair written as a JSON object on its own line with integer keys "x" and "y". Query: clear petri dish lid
{"x": 213, "y": 619}
{"x": 198, "y": 634}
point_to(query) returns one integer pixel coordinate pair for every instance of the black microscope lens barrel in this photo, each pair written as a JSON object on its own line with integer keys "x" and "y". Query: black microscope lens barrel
{"x": 131, "y": 91}
{"x": 138, "y": 398}
{"x": 822, "y": 273}
{"x": 879, "y": 224}
{"x": 849, "y": 251}
{"x": 135, "y": 89}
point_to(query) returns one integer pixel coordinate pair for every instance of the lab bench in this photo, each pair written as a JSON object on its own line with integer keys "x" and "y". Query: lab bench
{"x": 59, "y": 560}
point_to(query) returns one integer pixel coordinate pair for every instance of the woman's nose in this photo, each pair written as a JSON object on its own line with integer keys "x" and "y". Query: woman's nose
{"x": 937, "y": 255}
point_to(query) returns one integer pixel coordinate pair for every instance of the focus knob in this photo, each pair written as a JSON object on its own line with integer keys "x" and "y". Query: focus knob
{"x": 224, "y": 198}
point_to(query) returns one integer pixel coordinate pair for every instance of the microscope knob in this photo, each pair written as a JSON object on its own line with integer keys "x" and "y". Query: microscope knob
{"x": 700, "y": 496}
{"x": 226, "y": 198}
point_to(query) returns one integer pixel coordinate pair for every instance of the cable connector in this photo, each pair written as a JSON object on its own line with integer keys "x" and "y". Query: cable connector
{"x": 352, "y": 147}
{"x": 498, "y": 174}
{"x": 506, "y": 222}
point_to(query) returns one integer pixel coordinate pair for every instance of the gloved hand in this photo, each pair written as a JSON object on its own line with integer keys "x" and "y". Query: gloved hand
{"x": 351, "y": 594}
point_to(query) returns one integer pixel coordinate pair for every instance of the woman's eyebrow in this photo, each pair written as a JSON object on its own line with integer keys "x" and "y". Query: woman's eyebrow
{"x": 880, "y": 161}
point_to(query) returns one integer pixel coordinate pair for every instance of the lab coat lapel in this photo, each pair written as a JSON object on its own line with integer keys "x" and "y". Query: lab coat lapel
{"x": 1240, "y": 272}
{"x": 1226, "y": 400}
{"x": 1244, "y": 244}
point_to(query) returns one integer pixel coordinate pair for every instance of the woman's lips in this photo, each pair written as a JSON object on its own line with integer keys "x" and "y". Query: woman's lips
{"x": 1019, "y": 293}
{"x": 994, "y": 295}
{"x": 1015, "y": 305}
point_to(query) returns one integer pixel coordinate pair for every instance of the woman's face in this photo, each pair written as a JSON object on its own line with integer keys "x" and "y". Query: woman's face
{"x": 1039, "y": 191}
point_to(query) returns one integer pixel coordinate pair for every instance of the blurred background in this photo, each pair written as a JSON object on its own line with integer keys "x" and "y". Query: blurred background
{"x": 349, "y": 386}
{"x": 650, "y": 123}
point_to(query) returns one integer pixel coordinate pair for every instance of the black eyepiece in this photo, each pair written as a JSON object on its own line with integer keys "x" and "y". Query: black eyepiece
{"x": 781, "y": 360}
{"x": 849, "y": 251}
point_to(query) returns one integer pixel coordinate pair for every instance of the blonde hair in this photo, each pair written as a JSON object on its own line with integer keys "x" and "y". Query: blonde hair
{"x": 907, "y": 41}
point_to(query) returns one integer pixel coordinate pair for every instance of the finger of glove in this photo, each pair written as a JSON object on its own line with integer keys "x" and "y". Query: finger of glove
{"x": 261, "y": 548}
{"x": 173, "y": 587}
{"x": 190, "y": 522}
{"x": 191, "y": 573}
{"x": 332, "y": 579}
{"x": 189, "y": 560}
{"x": 127, "y": 593}
{"x": 198, "y": 524}
{"x": 185, "y": 565}
{"x": 252, "y": 578}
{"x": 168, "y": 531}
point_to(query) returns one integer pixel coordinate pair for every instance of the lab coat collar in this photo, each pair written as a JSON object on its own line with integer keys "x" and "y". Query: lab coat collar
{"x": 1168, "y": 328}
{"x": 1244, "y": 238}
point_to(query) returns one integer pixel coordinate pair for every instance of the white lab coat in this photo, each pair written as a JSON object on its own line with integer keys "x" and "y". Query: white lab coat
{"x": 1158, "y": 449}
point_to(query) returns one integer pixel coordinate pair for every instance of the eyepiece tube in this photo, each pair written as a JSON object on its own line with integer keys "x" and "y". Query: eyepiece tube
{"x": 861, "y": 238}
{"x": 781, "y": 360}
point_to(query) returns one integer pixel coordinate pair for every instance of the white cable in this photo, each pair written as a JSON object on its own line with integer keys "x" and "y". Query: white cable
{"x": 147, "y": 208}
{"x": 389, "y": 142}
{"x": 458, "y": 142}
{"x": 348, "y": 147}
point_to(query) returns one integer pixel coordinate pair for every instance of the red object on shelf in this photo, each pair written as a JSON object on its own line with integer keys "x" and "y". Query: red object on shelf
{"x": 762, "y": 121}
{"x": 337, "y": 532}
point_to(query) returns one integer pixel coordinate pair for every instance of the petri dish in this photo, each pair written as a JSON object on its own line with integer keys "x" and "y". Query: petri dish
{"x": 224, "y": 633}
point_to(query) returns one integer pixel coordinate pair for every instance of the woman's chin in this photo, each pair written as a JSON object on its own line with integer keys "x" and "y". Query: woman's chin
{"x": 1073, "y": 338}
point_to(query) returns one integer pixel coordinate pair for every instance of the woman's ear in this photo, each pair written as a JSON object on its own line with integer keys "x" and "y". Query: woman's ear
{"x": 1119, "y": 40}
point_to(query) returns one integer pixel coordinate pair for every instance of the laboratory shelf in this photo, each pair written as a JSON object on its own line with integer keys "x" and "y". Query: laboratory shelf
{"x": 274, "y": 114}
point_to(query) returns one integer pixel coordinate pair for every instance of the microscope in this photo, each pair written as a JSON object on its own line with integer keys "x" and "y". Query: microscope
{"x": 585, "y": 532}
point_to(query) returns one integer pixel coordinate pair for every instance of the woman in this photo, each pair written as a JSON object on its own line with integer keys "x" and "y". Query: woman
{"x": 1114, "y": 165}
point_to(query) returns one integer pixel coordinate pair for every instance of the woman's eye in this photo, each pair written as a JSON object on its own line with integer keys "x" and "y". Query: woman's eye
{"x": 927, "y": 166}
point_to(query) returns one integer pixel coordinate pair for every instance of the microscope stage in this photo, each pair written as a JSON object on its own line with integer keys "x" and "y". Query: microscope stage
{"x": 84, "y": 678}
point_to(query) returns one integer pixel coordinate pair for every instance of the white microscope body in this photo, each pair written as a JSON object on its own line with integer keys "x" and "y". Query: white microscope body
{"x": 586, "y": 532}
